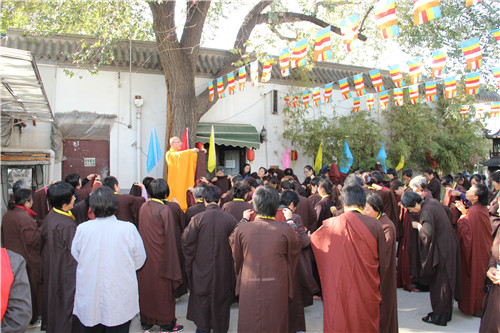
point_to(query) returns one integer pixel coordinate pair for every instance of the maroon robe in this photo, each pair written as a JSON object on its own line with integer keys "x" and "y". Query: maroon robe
{"x": 404, "y": 251}
{"x": 494, "y": 214}
{"x": 323, "y": 210}
{"x": 449, "y": 201}
{"x": 388, "y": 288}
{"x": 128, "y": 208}
{"x": 180, "y": 220}
{"x": 314, "y": 199}
{"x": 434, "y": 186}
{"x": 192, "y": 211}
{"x": 490, "y": 322}
{"x": 41, "y": 203}
{"x": 161, "y": 274}
{"x": 265, "y": 256}
{"x": 84, "y": 191}
{"x": 474, "y": 237}
{"x": 210, "y": 268}
{"x": 306, "y": 211}
{"x": 21, "y": 234}
{"x": 349, "y": 251}
{"x": 236, "y": 208}
{"x": 224, "y": 183}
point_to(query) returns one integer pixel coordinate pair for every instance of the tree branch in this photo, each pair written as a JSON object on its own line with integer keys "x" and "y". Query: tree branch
{"x": 280, "y": 36}
{"x": 364, "y": 19}
{"x": 196, "y": 15}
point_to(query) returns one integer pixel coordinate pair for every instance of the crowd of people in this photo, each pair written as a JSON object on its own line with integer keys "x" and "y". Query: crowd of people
{"x": 83, "y": 257}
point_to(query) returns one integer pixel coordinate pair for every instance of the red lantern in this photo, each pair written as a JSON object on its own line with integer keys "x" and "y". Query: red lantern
{"x": 294, "y": 156}
{"x": 199, "y": 145}
{"x": 250, "y": 155}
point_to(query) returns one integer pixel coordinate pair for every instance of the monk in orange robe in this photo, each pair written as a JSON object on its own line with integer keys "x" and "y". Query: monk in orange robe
{"x": 181, "y": 170}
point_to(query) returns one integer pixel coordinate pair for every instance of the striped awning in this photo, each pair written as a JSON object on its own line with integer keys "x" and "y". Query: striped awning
{"x": 236, "y": 135}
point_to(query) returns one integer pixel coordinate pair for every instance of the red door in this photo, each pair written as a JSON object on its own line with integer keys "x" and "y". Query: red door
{"x": 85, "y": 157}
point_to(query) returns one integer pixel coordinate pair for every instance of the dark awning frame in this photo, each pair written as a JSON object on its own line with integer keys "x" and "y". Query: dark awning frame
{"x": 236, "y": 135}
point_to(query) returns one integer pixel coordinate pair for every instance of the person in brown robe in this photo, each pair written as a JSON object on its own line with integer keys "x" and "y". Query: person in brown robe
{"x": 265, "y": 254}
{"x": 404, "y": 279}
{"x": 349, "y": 250}
{"x": 474, "y": 237}
{"x": 21, "y": 234}
{"x": 490, "y": 321}
{"x": 81, "y": 191}
{"x": 323, "y": 207}
{"x": 128, "y": 205}
{"x": 314, "y": 198}
{"x": 199, "y": 205}
{"x": 304, "y": 208}
{"x": 220, "y": 180}
{"x": 388, "y": 290}
{"x": 238, "y": 205}
{"x": 433, "y": 183}
{"x": 58, "y": 265}
{"x": 439, "y": 255}
{"x": 209, "y": 265}
{"x": 494, "y": 206}
{"x": 161, "y": 275}
{"x": 41, "y": 203}
{"x": 451, "y": 195}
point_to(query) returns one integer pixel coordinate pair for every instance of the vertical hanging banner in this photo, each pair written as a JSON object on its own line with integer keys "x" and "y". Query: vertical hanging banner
{"x": 496, "y": 34}
{"x": 359, "y": 84}
{"x": 316, "y": 96}
{"x": 299, "y": 53}
{"x": 267, "y": 67}
{"x": 438, "y": 63}
{"x": 384, "y": 99}
{"x": 416, "y": 69}
{"x": 327, "y": 96}
{"x": 496, "y": 74}
{"x": 305, "y": 99}
{"x": 350, "y": 30}
{"x": 431, "y": 91}
{"x": 356, "y": 104}
{"x": 295, "y": 100}
{"x": 377, "y": 81}
{"x": 396, "y": 75}
{"x": 425, "y": 10}
{"x": 472, "y": 53}
{"x": 211, "y": 92}
{"x": 254, "y": 72}
{"x": 287, "y": 101}
{"x": 323, "y": 45}
{"x": 495, "y": 109}
{"x": 242, "y": 78}
{"x": 220, "y": 87}
{"x": 472, "y": 83}
{"x": 344, "y": 88}
{"x": 387, "y": 22}
{"x": 465, "y": 111}
{"x": 414, "y": 94}
{"x": 450, "y": 87}
{"x": 481, "y": 110}
{"x": 398, "y": 96}
{"x": 285, "y": 62}
{"x": 471, "y": 2}
{"x": 370, "y": 102}
{"x": 230, "y": 83}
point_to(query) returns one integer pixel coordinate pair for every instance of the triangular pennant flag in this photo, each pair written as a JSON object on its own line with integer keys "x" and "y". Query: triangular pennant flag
{"x": 359, "y": 84}
{"x": 323, "y": 45}
{"x": 387, "y": 22}
{"x": 344, "y": 88}
{"x": 438, "y": 63}
{"x": 285, "y": 62}
{"x": 185, "y": 140}
{"x": 377, "y": 81}
{"x": 425, "y": 10}
{"x": 472, "y": 53}
{"x": 154, "y": 151}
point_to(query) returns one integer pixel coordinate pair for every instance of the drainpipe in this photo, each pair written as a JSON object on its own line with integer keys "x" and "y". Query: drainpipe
{"x": 139, "y": 102}
{"x": 50, "y": 152}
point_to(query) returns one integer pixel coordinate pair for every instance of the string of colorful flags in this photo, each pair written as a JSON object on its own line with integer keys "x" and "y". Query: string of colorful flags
{"x": 386, "y": 20}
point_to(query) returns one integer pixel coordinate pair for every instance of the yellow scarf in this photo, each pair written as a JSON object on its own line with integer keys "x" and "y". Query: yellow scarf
{"x": 158, "y": 200}
{"x": 62, "y": 212}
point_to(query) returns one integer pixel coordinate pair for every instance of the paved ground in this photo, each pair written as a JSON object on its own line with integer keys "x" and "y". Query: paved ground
{"x": 411, "y": 308}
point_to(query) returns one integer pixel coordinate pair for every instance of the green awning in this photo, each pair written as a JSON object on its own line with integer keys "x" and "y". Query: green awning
{"x": 237, "y": 135}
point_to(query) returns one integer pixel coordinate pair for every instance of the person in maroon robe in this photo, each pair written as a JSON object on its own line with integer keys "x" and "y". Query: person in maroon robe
{"x": 58, "y": 265}
{"x": 161, "y": 275}
{"x": 439, "y": 255}
{"x": 323, "y": 207}
{"x": 388, "y": 198}
{"x": 238, "y": 205}
{"x": 81, "y": 191}
{"x": 474, "y": 237}
{"x": 462, "y": 180}
{"x": 388, "y": 290}
{"x": 349, "y": 251}
{"x": 220, "y": 180}
{"x": 450, "y": 197}
{"x": 128, "y": 205}
{"x": 136, "y": 189}
{"x": 265, "y": 253}
{"x": 198, "y": 207}
{"x": 433, "y": 183}
{"x": 209, "y": 265}
{"x": 403, "y": 268}
{"x": 314, "y": 198}
{"x": 21, "y": 234}
{"x": 490, "y": 322}
{"x": 304, "y": 208}
{"x": 493, "y": 208}
{"x": 41, "y": 203}
{"x": 407, "y": 176}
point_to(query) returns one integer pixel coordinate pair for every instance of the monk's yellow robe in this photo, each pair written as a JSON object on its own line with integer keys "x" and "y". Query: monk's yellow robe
{"x": 181, "y": 172}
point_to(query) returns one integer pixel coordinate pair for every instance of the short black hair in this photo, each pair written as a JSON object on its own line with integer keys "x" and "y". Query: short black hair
{"x": 110, "y": 181}
{"x": 310, "y": 168}
{"x": 477, "y": 177}
{"x": 146, "y": 181}
{"x": 495, "y": 176}
{"x": 73, "y": 179}
{"x": 21, "y": 196}
{"x": 353, "y": 179}
{"x": 410, "y": 199}
{"x": 240, "y": 189}
{"x": 272, "y": 180}
{"x": 378, "y": 176}
{"x": 60, "y": 193}
{"x": 482, "y": 193}
{"x": 288, "y": 172}
{"x": 266, "y": 200}
{"x": 265, "y": 170}
{"x": 392, "y": 171}
{"x": 397, "y": 184}
{"x": 288, "y": 184}
{"x": 252, "y": 182}
{"x": 447, "y": 180}
{"x": 103, "y": 202}
{"x": 459, "y": 176}
{"x": 198, "y": 191}
{"x": 408, "y": 173}
{"x": 212, "y": 194}
{"x": 289, "y": 196}
{"x": 375, "y": 201}
{"x": 158, "y": 189}
{"x": 236, "y": 178}
{"x": 314, "y": 182}
{"x": 327, "y": 185}
{"x": 354, "y": 195}
{"x": 20, "y": 184}
{"x": 429, "y": 171}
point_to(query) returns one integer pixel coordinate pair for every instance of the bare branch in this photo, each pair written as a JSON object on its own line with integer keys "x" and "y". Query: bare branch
{"x": 277, "y": 33}
{"x": 364, "y": 18}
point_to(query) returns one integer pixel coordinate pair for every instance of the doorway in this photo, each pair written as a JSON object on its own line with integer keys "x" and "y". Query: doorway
{"x": 85, "y": 157}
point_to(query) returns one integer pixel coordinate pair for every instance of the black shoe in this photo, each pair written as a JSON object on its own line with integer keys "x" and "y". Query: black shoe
{"x": 436, "y": 319}
{"x": 170, "y": 329}
{"x": 146, "y": 328}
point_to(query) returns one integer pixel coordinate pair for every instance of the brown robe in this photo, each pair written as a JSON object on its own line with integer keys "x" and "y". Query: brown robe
{"x": 404, "y": 251}
{"x": 85, "y": 191}
{"x": 21, "y": 234}
{"x": 265, "y": 256}
{"x": 128, "y": 208}
{"x": 434, "y": 186}
{"x": 306, "y": 211}
{"x": 474, "y": 237}
{"x": 314, "y": 199}
{"x": 349, "y": 251}
{"x": 41, "y": 203}
{"x": 494, "y": 214}
{"x": 490, "y": 322}
{"x": 323, "y": 210}
{"x": 224, "y": 183}
{"x": 210, "y": 268}
{"x": 161, "y": 274}
{"x": 388, "y": 289}
{"x": 439, "y": 256}
{"x": 236, "y": 208}
{"x": 449, "y": 201}
{"x": 192, "y": 211}
{"x": 391, "y": 208}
